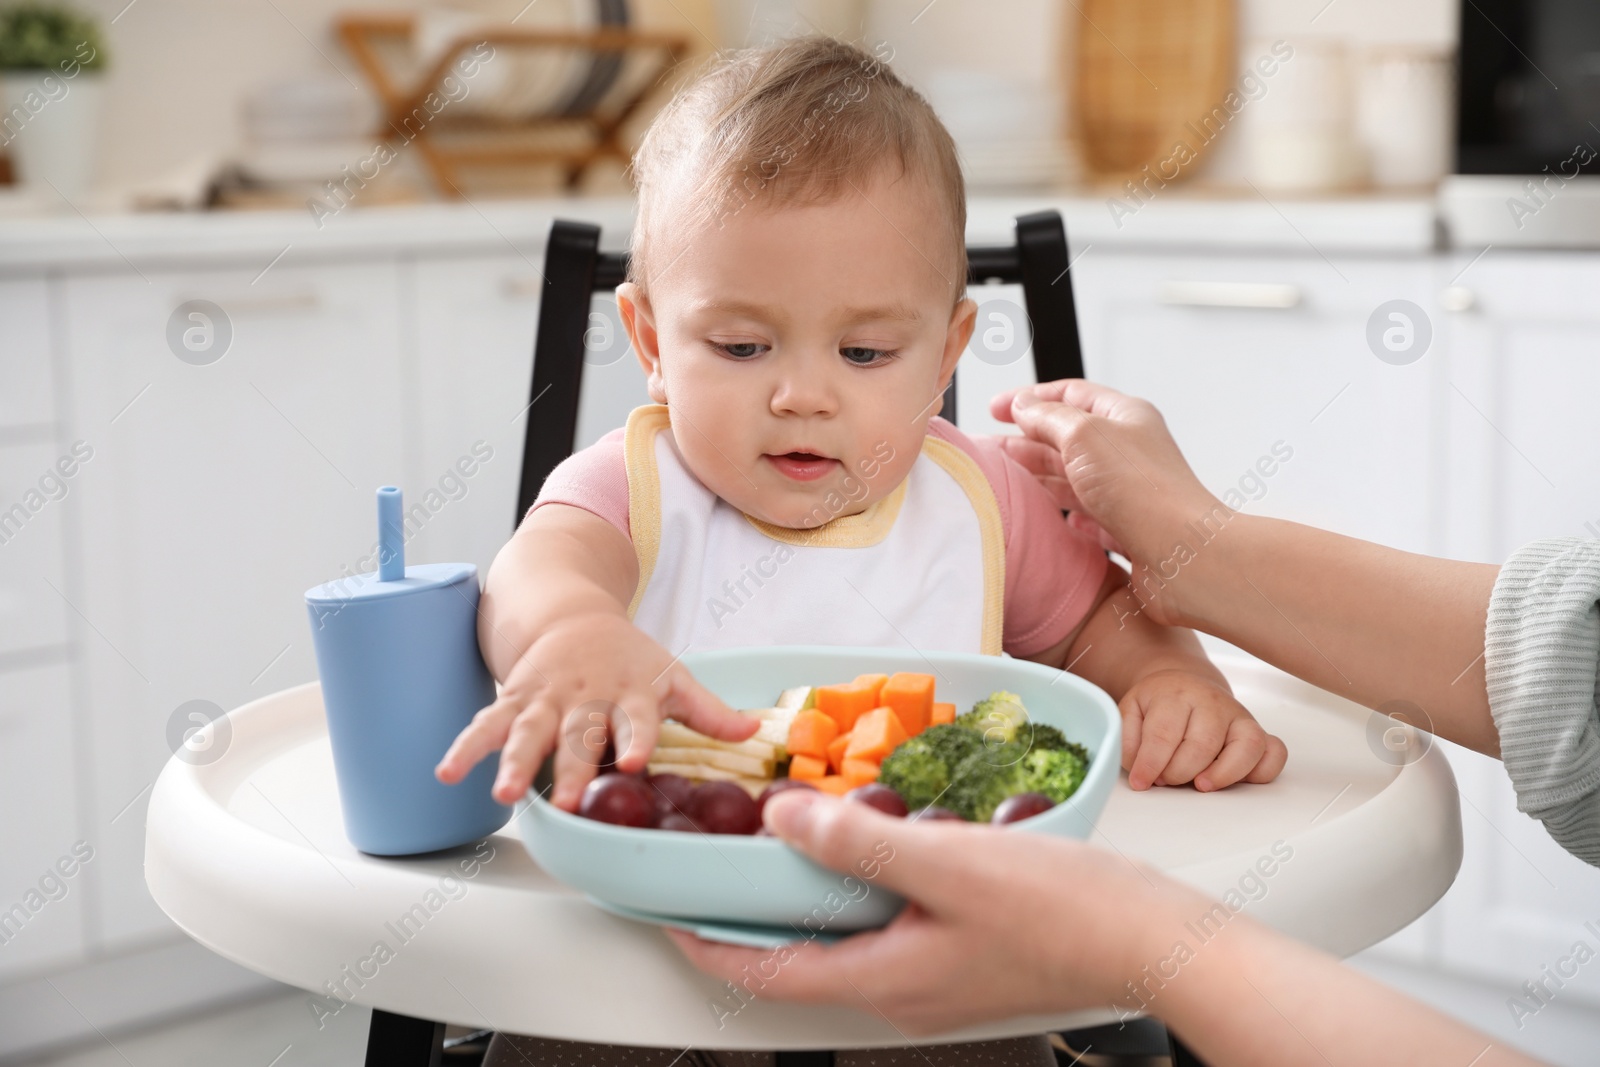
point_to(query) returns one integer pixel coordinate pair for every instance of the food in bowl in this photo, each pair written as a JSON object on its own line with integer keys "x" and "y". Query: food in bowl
{"x": 880, "y": 739}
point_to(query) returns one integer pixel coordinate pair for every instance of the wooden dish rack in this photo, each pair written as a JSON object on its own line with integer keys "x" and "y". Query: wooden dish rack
{"x": 503, "y": 141}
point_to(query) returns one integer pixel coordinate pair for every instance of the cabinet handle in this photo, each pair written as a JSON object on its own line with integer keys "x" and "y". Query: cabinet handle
{"x": 1230, "y": 295}
{"x": 522, "y": 287}
{"x": 286, "y": 302}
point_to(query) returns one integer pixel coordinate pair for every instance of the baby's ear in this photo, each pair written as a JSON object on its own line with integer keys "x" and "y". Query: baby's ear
{"x": 963, "y": 320}
{"x": 638, "y": 318}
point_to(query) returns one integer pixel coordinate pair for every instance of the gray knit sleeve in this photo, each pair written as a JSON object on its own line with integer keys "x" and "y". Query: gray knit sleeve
{"x": 1542, "y": 659}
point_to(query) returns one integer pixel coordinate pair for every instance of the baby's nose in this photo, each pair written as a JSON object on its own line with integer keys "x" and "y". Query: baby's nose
{"x": 805, "y": 392}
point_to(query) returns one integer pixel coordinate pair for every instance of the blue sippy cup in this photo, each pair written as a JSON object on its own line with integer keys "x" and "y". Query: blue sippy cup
{"x": 397, "y": 651}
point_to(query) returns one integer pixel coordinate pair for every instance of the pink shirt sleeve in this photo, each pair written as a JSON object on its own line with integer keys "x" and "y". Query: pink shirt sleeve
{"x": 594, "y": 479}
{"x": 1053, "y": 572}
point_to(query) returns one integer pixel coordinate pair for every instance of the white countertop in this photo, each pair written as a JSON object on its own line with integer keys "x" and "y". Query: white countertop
{"x": 1186, "y": 219}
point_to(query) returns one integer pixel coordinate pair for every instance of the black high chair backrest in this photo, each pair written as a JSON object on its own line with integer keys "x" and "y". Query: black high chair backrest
{"x": 575, "y": 269}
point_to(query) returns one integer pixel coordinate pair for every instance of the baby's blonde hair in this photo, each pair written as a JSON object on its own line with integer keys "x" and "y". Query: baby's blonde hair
{"x": 795, "y": 123}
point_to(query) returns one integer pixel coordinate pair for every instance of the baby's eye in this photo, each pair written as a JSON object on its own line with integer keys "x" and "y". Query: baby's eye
{"x": 865, "y": 357}
{"x": 738, "y": 349}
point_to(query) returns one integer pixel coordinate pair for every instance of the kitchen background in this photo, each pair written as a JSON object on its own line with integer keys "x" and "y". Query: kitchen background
{"x": 376, "y": 331}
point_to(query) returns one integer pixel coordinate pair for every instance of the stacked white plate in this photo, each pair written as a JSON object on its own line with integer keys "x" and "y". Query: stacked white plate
{"x": 1008, "y": 131}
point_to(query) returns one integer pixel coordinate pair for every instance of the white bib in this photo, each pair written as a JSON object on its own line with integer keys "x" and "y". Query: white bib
{"x": 922, "y": 568}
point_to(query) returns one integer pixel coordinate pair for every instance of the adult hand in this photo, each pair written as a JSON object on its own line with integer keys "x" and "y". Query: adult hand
{"x": 1109, "y": 459}
{"x": 998, "y": 922}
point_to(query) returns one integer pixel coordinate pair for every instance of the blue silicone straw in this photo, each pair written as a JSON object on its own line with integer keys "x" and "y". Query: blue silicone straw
{"x": 391, "y": 536}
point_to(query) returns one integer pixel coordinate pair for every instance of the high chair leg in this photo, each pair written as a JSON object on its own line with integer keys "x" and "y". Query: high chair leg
{"x": 401, "y": 1041}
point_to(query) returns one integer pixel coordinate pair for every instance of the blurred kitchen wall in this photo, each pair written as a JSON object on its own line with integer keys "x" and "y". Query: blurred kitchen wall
{"x": 180, "y": 67}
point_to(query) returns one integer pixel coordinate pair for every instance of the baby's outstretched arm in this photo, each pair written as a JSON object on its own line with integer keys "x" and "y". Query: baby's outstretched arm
{"x": 554, "y": 629}
{"x": 1180, "y": 721}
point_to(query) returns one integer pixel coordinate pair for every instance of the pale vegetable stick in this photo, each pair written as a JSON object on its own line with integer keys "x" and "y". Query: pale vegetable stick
{"x": 711, "y": 757}
{"x": 703, "y": 773}
{"x": 676, "y": 735}
{"x": 799, "y": 698}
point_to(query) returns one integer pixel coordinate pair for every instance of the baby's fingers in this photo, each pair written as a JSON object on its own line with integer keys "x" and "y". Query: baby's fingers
{"x": 1251, "y": 755}
{"x": 1160, "y": 734}
{"x": 584, "y": 730}
{"x": 529, "y": 742}
{"x": 486, "y": 732}
{"x": 1272, "y": 762}
{"x": 1246, "y": 744}
{"x": 1204, "y": 738}
{"x": 635, "y": 726}
{"x": 700, "y": 709}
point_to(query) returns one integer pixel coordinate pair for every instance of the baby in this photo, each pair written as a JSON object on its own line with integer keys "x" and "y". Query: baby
{"x": 796, "y": 296}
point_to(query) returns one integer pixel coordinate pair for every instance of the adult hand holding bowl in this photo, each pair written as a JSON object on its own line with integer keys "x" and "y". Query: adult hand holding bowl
{"x": 999, "y": 923}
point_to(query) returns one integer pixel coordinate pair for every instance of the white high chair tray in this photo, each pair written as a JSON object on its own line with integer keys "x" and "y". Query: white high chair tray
{"x": 248, "y": 855}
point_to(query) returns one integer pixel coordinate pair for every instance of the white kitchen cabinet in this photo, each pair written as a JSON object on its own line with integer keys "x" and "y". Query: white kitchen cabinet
{"x": 44, "y": 884}
{"x": 217, "y": 495}
{"x": 1523, "y": 400}
{"x": 475, "y": 326}
{"x": 1236, "y": 374}
{"x": 34, "y": 498}
{"x": 27, "y": 399}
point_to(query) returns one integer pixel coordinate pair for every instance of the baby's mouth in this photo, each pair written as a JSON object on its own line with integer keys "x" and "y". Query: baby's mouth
{"x": 802, "y": 466}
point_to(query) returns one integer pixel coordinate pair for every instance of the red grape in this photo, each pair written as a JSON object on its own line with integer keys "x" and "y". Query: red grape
{"x": 780, "y": 785}
{"x": 619, "y": 799}
{"x": 725, "y": 808}
{"x": 937, "y": 814}
{"x": 879, "y": 796}
{"x": 677, "y": 821}
{"x": 1021, "y": 806}
{"x": 673, "y": 793}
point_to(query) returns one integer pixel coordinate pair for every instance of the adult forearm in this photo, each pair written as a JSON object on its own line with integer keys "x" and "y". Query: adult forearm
{"x": 1253, "y": 996}
{"x": 1370, "y": 623}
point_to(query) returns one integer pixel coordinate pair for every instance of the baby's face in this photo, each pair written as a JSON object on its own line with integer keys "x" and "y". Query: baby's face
{"x": 801, "y": 351}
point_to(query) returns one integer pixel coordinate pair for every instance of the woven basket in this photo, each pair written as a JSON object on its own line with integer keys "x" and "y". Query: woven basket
{"x": 1146, "y": 73}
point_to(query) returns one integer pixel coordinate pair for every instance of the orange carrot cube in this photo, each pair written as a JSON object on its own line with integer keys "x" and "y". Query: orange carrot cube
{"x": 811, "y": 733}
{"x": 877, "y": 734}
{"x": 911, "y": 697}
{"x": 837, "y": 784}
{"x": 942, "y": 715}
{"x": 836, "y": 752}
{"x": 873, "y": 682}
{"x": 846, "y": 703}
{"x": 859, "y": 771}
{"x": 807, "y": 768}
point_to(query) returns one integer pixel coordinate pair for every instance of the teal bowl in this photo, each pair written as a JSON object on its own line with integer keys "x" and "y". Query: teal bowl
{"x": 762, "y": 881}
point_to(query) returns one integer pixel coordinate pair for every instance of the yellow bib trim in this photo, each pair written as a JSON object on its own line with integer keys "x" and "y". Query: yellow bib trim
{"x": 644, "y": 490}
{"x": 861, "y": 530}
{"x": 965, "y": 470}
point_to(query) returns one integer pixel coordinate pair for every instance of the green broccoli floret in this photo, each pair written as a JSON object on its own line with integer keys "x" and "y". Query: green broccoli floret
{"x": 985, "y": 778}
{"x": 1039, "y": 736}
{"x": 990, "y": 753}
{"x": 919, "y": 769}
{"x": 976, "y": 787}
{"x": 1055, "y": 772}
{"x": 996, "y": 716}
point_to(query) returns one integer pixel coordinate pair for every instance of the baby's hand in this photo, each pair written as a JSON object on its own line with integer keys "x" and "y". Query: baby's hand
{"x": 586, "y": 678}
{"x": 1178, "y": 726}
